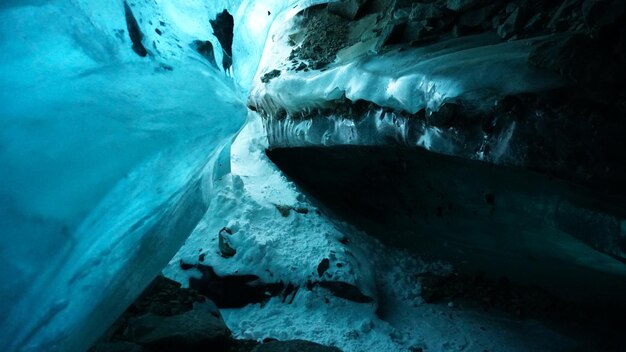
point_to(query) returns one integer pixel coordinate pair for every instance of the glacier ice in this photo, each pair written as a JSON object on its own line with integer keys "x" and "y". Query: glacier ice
{"x": 469, "y": 68}
{"x": 288, "y": 249}
{"x": 370, "y": 96}
{"x": 112, "y": 156}
{"x": 108, "y": 158}
{"x": 246, "y": 203}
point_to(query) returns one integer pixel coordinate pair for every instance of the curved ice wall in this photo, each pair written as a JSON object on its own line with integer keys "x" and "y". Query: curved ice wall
{"x": 106, "y": 157}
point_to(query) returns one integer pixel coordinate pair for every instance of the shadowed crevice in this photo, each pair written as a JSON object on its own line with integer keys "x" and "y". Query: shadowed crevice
{"x": 223, "y": 26}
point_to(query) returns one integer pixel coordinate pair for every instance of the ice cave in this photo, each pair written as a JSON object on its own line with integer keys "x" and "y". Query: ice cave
{"x": 312, "y": 175}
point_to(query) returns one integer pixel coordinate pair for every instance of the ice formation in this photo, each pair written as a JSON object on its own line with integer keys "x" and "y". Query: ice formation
{"x": 119, "y": 122}
{"x": 413, "y": 79}
{"x": 108, "y": 157}
{"x": 287, "y": 249}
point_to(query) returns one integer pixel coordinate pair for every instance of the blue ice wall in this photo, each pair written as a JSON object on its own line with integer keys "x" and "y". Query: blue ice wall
{"x": 107, "y": 158}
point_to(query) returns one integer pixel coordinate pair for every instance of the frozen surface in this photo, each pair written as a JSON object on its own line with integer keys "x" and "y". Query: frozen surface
{"x": 288, "y": 249}
{"x": 471, "y": 68}
{"x": 247, "y": 203}
{"x": 374, "y": 96}
{"x": 107, "y": 158}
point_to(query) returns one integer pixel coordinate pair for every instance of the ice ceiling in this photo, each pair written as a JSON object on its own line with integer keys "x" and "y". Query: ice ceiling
{"x": 107, "y": 157}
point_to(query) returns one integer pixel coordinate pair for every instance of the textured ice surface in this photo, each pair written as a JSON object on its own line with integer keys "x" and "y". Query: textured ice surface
{"x": 374, "y": 127}
{"x": 287, "y": 249}
{"x": 106, "y": 157}
{"x": 265, "y": 240}
{"x": 469, "y": 68}
{"x": 367, "y": 97}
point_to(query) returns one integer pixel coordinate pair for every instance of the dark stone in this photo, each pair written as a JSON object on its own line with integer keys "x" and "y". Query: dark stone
{"x": 323, "y": 266}
{"x": 241, "y": 346}
{"x": 495, "y": 293}
{"x": 346, "y": 291}
{"x": 302, "y": 210}
{"x": 233, "y": 291}
{"x": 185, "y": 266}
{"x": 134, "y": 31}
{"x": 294, "y": 346}
{"x": 284, "y": 210}
{"x": 166, "y": 317}
{"x": 325, "y": 34}
{"x": 348, "y": 9}
{"x": 268, "y": 76}
{"x": 165, "y": 297}
{"x": 196, "y": 330}
{"x": 223, "y": 26}
{"x": 205, "y": 48}
{"x": 226, "y": 249}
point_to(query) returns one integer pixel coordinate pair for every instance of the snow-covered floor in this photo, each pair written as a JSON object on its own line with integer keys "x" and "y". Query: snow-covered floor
{"x": 277, "y": 248}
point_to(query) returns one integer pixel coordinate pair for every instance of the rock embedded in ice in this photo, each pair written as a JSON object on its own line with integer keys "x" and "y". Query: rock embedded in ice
{"x": 192, "y": 330}
{"x": 268, "y": 76}
{"x": 233, "y": 291}
{"x": 225, "y": 246}
{"x": 167, "y": 317}
{"x": 134, "y": 31}
{"x": 223, "y": 26}
{"x": 346, "y": 8}
{"x": 323, "y": 266}
{"x": 205, "y": 48}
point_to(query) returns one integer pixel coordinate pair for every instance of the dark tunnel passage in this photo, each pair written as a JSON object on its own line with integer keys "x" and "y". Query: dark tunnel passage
{"x": 481, "y": 217}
